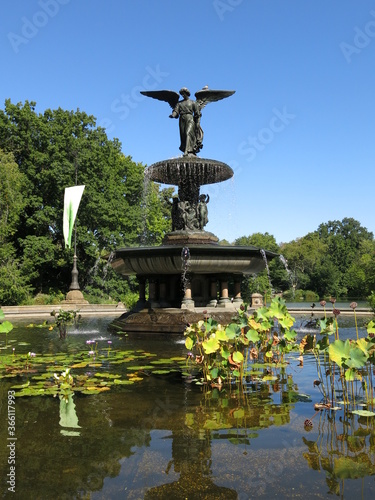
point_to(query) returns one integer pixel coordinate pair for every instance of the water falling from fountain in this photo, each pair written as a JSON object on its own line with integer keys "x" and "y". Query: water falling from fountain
{"x": 108, "y": 263}
{"x": 93, "y": 271}
{"x": 290, "y": 276}
{"x": 185, "y": 258}
{"x": 264, "y": 255}
{"x": 146, "y": 187}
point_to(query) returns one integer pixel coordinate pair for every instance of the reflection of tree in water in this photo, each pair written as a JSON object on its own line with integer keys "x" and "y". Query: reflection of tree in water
{"x": 343, "y": 448}
{"x": 53, "y": 465}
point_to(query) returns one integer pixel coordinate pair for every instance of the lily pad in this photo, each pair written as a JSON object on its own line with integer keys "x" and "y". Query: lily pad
{"x": 364, "y": 413}
{"x": 118, "y": 381}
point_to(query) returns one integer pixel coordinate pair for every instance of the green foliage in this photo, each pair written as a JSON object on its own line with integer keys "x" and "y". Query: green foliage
{"x": 130, "y": 299}
{"x": 261, "y": 282}
{"x": 41, "y": 155}
{"x": 371, "y": 301}
{"x": 338, "y": 259}
{"x": 224, "y": 352}
{"x": 259, "y": 240}
{"x": 228, "y": 353}
{"x": 300, "y": 296}
{"x": 63, "y": 319}
{"x": 82, "y": 371}
{"x": 52, "y": 298}
{"x": 12, "y": 202}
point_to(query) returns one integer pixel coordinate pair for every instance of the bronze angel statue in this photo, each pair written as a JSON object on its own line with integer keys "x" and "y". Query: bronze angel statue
{"x": 189, "y": 113}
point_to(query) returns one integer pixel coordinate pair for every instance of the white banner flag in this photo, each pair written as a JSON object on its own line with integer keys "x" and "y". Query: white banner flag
{"x": 72, "y": 199}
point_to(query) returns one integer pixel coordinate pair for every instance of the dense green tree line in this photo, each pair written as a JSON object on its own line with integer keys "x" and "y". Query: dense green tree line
{"x": 41, "y": 155}
{"x": 338, "y": 259}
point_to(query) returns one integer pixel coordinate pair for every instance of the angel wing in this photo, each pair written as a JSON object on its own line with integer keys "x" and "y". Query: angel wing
{"x": 206, "y": 95}
{"x": 169, "y": 96}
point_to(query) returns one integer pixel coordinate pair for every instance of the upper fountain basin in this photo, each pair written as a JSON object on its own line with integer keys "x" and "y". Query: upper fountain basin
{"x": 177, "y": 171}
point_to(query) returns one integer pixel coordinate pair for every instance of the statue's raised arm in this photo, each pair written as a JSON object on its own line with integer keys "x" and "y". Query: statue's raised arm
{"x": 189, "y": 113}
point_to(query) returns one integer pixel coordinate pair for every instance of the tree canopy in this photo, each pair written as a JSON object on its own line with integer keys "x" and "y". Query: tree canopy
{"x": 42, "y": 154}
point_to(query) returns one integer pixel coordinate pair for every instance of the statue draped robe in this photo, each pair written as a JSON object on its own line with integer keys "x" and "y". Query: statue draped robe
{"x": 191, "y": 134}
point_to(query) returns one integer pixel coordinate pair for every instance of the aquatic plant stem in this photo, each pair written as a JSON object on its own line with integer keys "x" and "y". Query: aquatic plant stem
{"x": 356, "y": 326}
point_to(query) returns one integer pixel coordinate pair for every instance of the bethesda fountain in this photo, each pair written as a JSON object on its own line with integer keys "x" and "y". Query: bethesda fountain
{"x": 190, "y": 275}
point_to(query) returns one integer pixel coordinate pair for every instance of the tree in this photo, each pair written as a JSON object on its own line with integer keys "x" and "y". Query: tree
{"x": 267, "y": 280}
{"x": 14, "y": 287}
{"x": 62, "y": 148}
{"x": 360, "y": 276}
{"x": 303, "y": 256}
{"x": 266, "y": 241}
{"x": 343, "y": 240}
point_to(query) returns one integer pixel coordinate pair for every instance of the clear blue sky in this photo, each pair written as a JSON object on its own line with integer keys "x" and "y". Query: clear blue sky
{"x": 299, "y": 132}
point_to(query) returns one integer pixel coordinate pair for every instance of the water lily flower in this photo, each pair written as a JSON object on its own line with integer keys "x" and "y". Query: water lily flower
{"x": 91, "y": 353}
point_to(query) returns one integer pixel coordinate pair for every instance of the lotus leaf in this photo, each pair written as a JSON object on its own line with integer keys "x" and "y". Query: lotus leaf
{"x": 221, "y": 335}
{"x": 6, "y": 327}
{"x": 189, "y": 343}
{"x": 232, "y": 331}
{"x": 339, "y": 351}
{"x": 237, "y": 357}
{"x": 211, "y": 345}
{"x": 253, "y": 336}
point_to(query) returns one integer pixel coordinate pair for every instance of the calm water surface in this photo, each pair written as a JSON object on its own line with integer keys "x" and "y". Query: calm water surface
{"x": 165, "y": 438}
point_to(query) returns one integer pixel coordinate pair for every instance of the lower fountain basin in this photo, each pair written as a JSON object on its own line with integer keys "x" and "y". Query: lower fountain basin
{"x": 204, "y": 259}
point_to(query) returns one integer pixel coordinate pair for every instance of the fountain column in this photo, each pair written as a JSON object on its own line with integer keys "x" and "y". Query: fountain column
{"x": 224, "y": 295}
{"x": 141, "y": 292}
{"x": 187, "y": 301}
{"x": 237, "y": 290}
{"x": 152, "y": 292}
{"x": 163, "y": 293}
{"x": 213, "y": 293}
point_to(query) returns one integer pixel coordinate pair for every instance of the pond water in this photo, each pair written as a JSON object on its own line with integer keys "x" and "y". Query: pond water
{"x": 162, "y": 437}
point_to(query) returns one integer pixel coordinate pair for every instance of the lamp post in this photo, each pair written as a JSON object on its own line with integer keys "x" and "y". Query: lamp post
{"x": 75, "y": 296}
